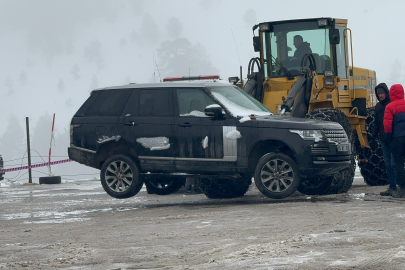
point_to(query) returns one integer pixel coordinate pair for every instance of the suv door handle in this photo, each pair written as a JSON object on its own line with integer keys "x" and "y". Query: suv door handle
{"x": 186, "y": 125}
{"x": 130, "y": 123}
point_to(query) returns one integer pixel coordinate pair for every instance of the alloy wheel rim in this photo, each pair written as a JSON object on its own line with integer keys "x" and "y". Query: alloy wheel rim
{"x": 119, "y": 176}
{"x": 277, "y": 175}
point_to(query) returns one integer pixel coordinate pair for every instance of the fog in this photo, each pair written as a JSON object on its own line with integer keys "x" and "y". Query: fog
{"x": 53, "y": 53}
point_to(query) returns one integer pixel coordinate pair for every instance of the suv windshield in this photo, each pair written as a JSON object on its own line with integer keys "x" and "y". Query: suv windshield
{"x": 238, "y": 103}
{"x": 285, "y": 46}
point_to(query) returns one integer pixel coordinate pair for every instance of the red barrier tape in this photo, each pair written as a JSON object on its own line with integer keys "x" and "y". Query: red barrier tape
{"x": 35, "y": 166}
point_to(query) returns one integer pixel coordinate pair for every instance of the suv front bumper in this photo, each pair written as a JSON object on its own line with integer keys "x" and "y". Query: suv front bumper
{"x": 326, "y": 167}
{"x": 326, "y": 159}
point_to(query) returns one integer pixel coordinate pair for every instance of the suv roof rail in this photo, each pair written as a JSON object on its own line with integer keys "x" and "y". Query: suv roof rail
{"x": 192, "y": 78}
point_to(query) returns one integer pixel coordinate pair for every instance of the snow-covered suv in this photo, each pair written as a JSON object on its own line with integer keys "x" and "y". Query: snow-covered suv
{"x": 208, "y": 130}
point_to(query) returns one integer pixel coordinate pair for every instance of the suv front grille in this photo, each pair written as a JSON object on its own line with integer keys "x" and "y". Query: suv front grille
{"x": 320, "y": 150}
{"x": 336, "y": 135}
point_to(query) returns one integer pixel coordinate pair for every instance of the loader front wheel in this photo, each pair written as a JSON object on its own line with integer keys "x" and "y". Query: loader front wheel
{"x": 371, "y": 160}
{"x": 342, "y": 181}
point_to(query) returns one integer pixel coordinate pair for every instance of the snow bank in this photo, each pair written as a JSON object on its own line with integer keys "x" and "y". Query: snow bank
{"x": 9, "y": 183}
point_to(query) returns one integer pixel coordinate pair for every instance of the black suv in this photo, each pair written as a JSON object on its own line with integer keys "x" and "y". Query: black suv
{"x": 211, "y": 131}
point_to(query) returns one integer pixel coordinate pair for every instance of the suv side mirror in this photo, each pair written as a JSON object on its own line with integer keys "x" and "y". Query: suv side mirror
{"x": 256, "y": 44}
{"x": 214, "y": 111}
{"x": 334, "y": 36}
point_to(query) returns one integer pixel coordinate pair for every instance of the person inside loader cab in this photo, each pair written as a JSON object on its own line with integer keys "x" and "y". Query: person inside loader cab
{"x": 302, "y": 48}
{"x": 377, "y": 131}
{"x": 394, "y": 127}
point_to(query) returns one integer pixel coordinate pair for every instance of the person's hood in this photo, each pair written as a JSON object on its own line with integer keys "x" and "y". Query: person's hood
{"x": 305, "y": 44}
{"x": 385, "y": 87}
{"x": 397, "y": 92}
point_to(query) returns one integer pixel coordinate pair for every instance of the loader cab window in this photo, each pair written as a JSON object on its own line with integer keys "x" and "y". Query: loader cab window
{"x": 341, "y": 54}
{"x": 287, "y": 43}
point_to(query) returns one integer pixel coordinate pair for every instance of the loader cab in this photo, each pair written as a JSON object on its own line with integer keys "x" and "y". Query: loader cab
{"x": 285, "y": 43}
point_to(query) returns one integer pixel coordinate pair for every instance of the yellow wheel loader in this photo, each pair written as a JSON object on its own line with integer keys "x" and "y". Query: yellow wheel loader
{"x": 305, "y": 69}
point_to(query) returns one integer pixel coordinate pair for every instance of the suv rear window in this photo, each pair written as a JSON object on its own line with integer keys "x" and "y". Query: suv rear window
{"x": 109, "y": 103}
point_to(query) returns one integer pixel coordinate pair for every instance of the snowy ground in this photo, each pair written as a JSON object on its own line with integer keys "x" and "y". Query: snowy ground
{"x": 76, "y": 225}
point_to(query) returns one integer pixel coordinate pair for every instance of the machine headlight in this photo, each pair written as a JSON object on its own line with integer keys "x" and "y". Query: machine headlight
{"x": 316, "y": 135}
{"x": 264, "y": 27}
{"x": 322, "y": 22}
{"x": 329, "y": 73}
{"x": 329, "y": 81}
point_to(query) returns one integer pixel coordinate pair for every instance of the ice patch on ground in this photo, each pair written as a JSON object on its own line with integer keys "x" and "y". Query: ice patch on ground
{"x": 155, "y": 143}
{"x": 50, "y": 221}
{"x": 274, "y": 249}
{"x": 359, "y": 196}
{"x": 401, "y": 253}
{"x": 233, "y": 135}
{"x": 338, "y": 262}
{"x": 205, "y": 142}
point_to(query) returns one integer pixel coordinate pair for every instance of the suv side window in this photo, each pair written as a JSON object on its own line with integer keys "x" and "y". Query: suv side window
{"x": 109, "y": 103}
{"x": 192, "y": 102}
{"x": 132, "y": 107}
{"x": 155, "y": 102}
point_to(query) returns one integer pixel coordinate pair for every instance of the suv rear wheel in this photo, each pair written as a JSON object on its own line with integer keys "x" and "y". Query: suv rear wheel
{"x": 276, "y": 176}
{"x": 120, "y": 177}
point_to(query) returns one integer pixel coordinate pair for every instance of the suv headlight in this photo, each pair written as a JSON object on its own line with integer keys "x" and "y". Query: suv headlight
{"x": 316, "y": 135}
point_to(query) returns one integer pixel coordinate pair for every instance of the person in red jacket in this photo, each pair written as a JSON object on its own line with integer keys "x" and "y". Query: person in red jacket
{"x": 394, "y": 127}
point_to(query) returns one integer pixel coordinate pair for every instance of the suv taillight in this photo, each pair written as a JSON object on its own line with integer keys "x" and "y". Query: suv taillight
{"x": 71, "y": 133}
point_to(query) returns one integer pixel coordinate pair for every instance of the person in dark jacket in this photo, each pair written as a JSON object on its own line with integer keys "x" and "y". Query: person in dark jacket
{"x": 394, "y": 127}
{"x": 302, "y": 48}
{"x": 382, "y": 93}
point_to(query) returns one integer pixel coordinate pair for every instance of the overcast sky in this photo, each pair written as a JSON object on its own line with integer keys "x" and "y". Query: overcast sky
{"x": 54, "y": 51}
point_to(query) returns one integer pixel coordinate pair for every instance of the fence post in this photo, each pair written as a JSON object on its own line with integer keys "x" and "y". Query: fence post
{"x": 28, "y": 148}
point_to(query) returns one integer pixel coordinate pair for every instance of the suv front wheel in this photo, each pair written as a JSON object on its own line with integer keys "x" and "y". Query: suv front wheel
{"x": 276, "y": 176}
{"x": 120, "y": 177}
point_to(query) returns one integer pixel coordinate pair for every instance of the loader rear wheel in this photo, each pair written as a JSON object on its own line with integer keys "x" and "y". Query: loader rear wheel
{"x": 340, "y": 182}
{"x": 371, "y": 160}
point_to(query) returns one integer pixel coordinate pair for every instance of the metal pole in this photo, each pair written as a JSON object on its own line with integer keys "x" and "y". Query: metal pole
{"x": 50, "y": 147}
{"x": 241, "y": 79}
{"x": 28, "y": 148}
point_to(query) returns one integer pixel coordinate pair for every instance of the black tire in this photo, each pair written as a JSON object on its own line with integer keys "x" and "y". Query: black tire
{"x": 371, "y": 160}
{"x": 225, "y": 188}
{"x": 120, "y": 177}
{"x": 316, "y": 185}
{"x": 342, "y": 181}
{"x": 50, "y": 180}
{"x": 282, "y": 174}
{"x": 164, "y": 185}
